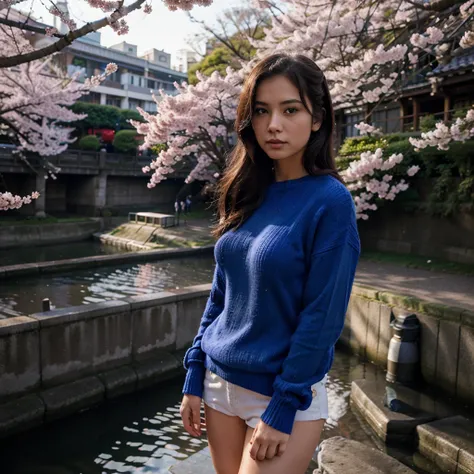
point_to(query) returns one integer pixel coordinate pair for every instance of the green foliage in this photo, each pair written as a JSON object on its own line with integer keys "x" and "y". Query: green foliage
{"x": 104, "y": 116}
{"x": 89, "y": 142}
{"x": 157, "y": 149}
{"x": 357, "y": 145}
{"x": 126, "y": 141}
{"x": 427, "y": 123}
{"x": 218, "y": 60}
{"x": 445, "y": 179}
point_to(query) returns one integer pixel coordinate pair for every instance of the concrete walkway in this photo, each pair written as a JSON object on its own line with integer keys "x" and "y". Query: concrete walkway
{"x": 442, "y": 288}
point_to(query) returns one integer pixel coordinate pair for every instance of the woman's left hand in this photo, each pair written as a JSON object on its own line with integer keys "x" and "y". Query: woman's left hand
{"x": 267, "y": 442}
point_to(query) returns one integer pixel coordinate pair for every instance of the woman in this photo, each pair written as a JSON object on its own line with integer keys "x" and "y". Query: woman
{"x": 285, "y": 261}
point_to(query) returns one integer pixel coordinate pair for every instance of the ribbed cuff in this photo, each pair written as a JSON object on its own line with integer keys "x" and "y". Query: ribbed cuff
{"x": 194, "y": 381}
{"x": 280, "y": 414}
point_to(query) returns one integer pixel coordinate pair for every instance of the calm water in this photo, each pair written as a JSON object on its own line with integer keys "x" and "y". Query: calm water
{"x": 142, "y": 433}
{"x": 24, "y": 295}
{"x": 44, "y": 253}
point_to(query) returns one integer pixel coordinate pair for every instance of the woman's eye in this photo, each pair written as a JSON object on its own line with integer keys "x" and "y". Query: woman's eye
{"x": 291, "y": 110}
{"x": 259, "y": 111}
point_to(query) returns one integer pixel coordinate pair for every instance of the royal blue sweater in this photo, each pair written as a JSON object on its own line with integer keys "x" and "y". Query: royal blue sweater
{"x": 279, "y": 295}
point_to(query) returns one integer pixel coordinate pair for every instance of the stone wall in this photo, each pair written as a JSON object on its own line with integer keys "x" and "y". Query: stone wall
{"x": 446, "y": 340}
{"x": 58, "y": 362}
{"x": 395, "y": 230}
{"x": 27, "y": 235}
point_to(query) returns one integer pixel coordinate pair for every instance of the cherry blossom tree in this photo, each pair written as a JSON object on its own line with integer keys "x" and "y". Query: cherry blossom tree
{"x": 197, "y": 124}
{"x": 116, "y": 12}
{"x": 34, "y": 100}
{"x": 366, "y": 50}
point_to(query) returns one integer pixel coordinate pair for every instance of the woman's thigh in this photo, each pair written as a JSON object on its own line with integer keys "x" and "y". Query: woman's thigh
{"x": 226, "y": 437}
{"x": 303, "y": 441}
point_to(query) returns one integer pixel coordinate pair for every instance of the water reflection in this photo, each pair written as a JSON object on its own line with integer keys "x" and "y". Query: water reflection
{"x": 142, "y": 433}
{"x": 24, "y": 295}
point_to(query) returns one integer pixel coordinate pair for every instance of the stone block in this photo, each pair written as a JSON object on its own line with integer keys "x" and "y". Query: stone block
{"x": 200, "y": 462}
{"x": 365, "y": 291}
{"x": 373, "y": 327}
{"x": 465, "y": 377}
{"x": 119, "y": 381}
{"x": 84, "y": 340}
{"x": 449, "y": 443}
{"x": 385, "y": 334}
{"x": 359, "y": 308}
{"x": 392, "y": 427}
{"x": 428, "y": 346}
{"x": 161, "y": 367}
{"x": 72, "y": 397}
{"x": 339, "y": 455}
{"x": 21, "y": 414}
{"x": 19, "y": 355}
{"x": 154, "y": 328}
{"x": 447, "y": 356}
{"x": 189, "y": 314}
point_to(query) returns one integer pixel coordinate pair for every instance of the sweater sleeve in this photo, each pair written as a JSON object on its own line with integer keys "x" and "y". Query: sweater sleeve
{"x": 326, "y": 295}
{"x": 195, "y": 357}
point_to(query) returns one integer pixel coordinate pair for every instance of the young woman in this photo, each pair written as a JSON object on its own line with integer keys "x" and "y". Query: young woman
{"x": 285, "y": 261}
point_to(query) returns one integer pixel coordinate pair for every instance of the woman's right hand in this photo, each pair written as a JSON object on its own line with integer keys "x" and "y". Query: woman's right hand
{"x": 190, "y": 412}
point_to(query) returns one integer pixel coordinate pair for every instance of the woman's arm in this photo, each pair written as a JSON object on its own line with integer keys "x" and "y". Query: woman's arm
{"x": 326, "y": 295}
{"x": 195, "y": 357}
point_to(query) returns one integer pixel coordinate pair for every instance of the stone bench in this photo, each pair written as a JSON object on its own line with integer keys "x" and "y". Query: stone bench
{"x": 449, "y": 443}
{"x": 153, "y": 218}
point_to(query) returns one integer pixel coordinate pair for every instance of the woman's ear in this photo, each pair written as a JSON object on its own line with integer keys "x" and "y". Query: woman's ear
{"x": 316, "y": 126}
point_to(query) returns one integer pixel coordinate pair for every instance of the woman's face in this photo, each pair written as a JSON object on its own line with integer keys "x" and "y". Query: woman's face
{"x": 281, "y": 123}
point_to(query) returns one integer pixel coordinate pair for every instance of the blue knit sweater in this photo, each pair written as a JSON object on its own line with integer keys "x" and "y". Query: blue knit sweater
{"x": 279, "y": 296}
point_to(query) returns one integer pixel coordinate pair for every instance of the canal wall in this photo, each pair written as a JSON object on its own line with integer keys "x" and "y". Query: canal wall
{"x": 59, "y": 362}
{"x": 62, "y": 361}
{"x": 26, "y": 235}
{"x": 73, "y": 264}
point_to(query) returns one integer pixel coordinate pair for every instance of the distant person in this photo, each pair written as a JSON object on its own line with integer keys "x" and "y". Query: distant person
{"x": 188, "y": 204}
{"x": 285, "y": 262}
{"x": 177, "y": 211}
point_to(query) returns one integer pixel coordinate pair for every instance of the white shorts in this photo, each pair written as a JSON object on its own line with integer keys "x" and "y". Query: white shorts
{"x": 234, "y": 400}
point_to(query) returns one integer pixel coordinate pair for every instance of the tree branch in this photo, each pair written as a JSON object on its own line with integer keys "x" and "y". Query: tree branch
{"x": 67, "y": 39}
{"x": 24, "y": 26}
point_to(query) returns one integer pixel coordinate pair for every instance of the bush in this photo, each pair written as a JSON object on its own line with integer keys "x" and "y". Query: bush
{"x": 89, "y": 142}
{"x": 427, "y": 123}
{"x": 126, "y": 141}
{"x": 104, "y": 116}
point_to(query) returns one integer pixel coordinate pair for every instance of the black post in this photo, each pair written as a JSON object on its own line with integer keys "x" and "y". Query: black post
{"x": 46, "y": 305}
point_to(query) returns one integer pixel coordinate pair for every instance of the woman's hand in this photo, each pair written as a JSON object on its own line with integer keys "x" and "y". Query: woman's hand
{"x": 190, "y": 412}
{"x": 267, "y": 442}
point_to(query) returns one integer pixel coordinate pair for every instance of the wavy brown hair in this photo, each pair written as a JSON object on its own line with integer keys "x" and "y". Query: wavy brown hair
{"x": 250, "y": 170}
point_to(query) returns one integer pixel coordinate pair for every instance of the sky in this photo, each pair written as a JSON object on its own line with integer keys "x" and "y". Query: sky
{"x": 162, "y": 29}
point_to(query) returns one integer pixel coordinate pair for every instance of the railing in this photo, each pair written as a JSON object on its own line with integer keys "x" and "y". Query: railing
{"x": 411, "y": 123}
{"x": 83, "y": 160}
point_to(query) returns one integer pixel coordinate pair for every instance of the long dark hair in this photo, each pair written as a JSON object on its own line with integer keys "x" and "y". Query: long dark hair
{"x": 250, "y": 170}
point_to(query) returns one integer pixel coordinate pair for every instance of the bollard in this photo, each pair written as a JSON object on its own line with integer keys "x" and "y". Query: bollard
{"x": 403, "y": 357}
{"x": 46, "y": 305}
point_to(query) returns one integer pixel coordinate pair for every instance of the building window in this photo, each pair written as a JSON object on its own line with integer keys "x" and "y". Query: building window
{"x": 113, "y": 100}
{"x": 388, "y": 120}
{"x": 132, "y": 79}
{"x": 130, "y": 50}
{"x": 151, "y": 84}
{"x": 350, "y": 121}
{"x": 163, "y": 59}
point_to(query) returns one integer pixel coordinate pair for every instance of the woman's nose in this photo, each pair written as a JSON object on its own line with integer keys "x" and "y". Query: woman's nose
{"x": 275, "y": 123}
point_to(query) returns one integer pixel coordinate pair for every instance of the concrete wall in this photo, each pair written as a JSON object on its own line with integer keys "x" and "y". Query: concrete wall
{"x": 124, "y": 191}
{"x": 58, "y": 362}
{"x": 394, "y": 230}
{"x": 446, "y": 340}
{"x": 27, "y": 235}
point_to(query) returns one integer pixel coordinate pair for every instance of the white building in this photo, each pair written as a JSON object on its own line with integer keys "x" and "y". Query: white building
{"x": 138, "y": 75}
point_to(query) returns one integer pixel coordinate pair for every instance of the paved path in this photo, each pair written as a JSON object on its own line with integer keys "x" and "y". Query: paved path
{"x": 443, "y": 288}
